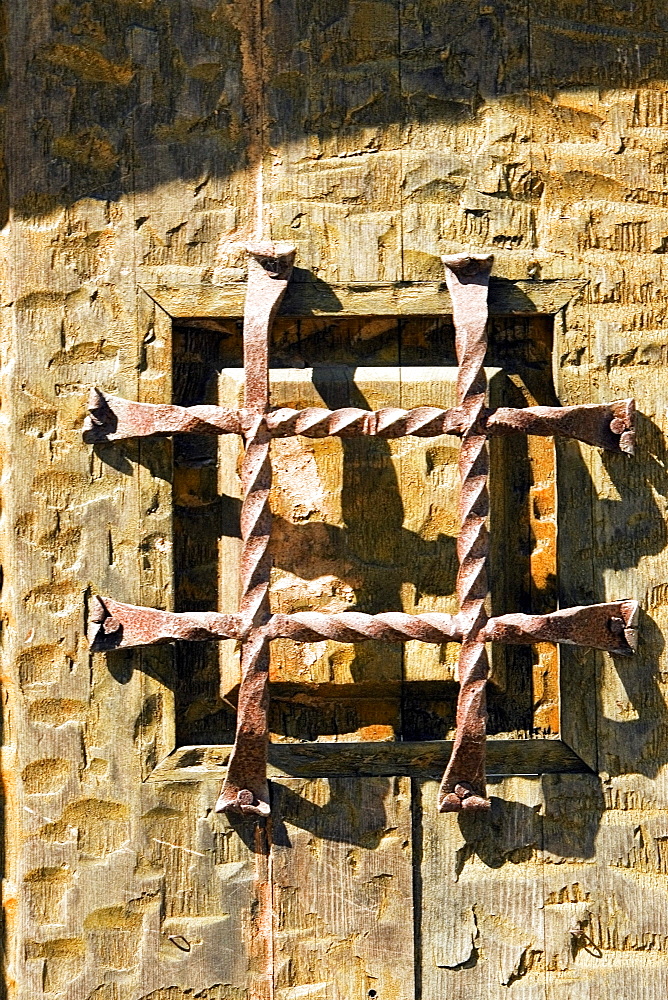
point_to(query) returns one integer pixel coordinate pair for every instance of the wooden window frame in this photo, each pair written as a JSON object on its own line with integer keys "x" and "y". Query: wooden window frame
{"x": 567, "y": 752}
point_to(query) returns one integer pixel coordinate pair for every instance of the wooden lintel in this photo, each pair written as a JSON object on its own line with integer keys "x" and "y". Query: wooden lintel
{"x": 310, "y": 297}
{"x": 334, "y": 760}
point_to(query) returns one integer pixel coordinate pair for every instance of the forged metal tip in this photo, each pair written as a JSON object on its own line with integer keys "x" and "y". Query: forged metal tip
{"x": 467, "y": 265}
{"x": 104, "y": 631}
{"x": 96, "y": 401}
{"x": 243, "y": 804}
{"x": 464, "y": 797}
{"x": 623, "y": 424}
{"x": 275, "y": 258}
{"x": 472, "y": 803}
{"x": 476, "y": 803}
{"x": 100, "y": 420}
{"x": 627, "y": 626}
{"x": 450, "y": 803}
{"x": 98, "y": 610}
{"x": 111, "y": 625}
{"x": 627, "y": 442}
{"x": 630, "y": 615}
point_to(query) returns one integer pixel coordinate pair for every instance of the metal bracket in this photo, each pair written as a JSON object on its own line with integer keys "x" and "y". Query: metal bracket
{"x": 611, "y": 627}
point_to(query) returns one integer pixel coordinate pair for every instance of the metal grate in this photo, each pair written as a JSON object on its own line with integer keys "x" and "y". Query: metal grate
{"x": 610, "y": 627}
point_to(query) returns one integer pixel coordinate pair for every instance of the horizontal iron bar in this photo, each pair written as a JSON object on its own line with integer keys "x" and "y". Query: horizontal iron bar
{"x": 114, "y": 625}
{"x": 604, "y": 425}
{"x": 611, "y": 627}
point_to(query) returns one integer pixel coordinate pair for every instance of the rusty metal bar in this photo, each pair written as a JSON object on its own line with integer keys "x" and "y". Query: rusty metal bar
{"x": 611, "y": 627}
{"x": 604, "y": 425}
{"x": 464, "y": 783}
{"x": 112, "y": 418}
{"x": 245, "y": 789}
{"x": 113, "y": 625}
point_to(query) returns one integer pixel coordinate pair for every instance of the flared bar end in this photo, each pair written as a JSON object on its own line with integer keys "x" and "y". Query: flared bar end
{"x": 276, "y": 259}
{"x": 466, "y": 265}
{"x": 463, "y": 798}
{"x": 623, "y": 423}
{"x": 242, "y": 803}
{"x": 101, "y": 420}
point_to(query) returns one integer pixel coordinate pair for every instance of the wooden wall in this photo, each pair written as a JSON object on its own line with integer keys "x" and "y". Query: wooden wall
{"x": 144, "y": 140}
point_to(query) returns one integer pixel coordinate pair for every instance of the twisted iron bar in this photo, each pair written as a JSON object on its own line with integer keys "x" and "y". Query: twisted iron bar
{"x": 611, "y": 627}
{"x": 606, "y": 425}
{"x": 245, "y": 788}
{"x": 463, "y": 784}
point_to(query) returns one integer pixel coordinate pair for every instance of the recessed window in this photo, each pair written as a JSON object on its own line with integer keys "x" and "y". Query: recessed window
{"x": 367, "y": 524}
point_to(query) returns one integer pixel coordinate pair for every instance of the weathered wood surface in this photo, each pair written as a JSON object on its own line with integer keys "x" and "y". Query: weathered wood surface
{"x": 342, "y": 877}
{"x": 426, "y": 758}
{"x": 481, "y": 892}
{"x": 309, "y": 297}
{"x": 142, "y": 146}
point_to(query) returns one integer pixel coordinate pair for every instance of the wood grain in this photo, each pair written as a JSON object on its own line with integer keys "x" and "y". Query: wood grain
{"x": 418, "y": 759}
{"x": 482, "y": 933}
{"x": 343, "y": 887}
{"x": 143, "y": 143}
{"x": 311, "y": 297}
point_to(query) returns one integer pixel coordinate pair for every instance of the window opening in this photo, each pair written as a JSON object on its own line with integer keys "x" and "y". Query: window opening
{"x": 607, "y": 626}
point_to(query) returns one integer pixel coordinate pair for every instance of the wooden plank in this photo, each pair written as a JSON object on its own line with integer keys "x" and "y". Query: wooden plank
{"x": 604, "y": 837}
{"x": 479, "y": 892}
{"x": 605, "y": 882}
{"x": 457, "y": 65}
{"x": 342, "y": 885}
{"x": 308, "y": 297}
{"x": 373, "y": 759}
{"x": 216, "y": 910}
{"x": 332, "y": 170}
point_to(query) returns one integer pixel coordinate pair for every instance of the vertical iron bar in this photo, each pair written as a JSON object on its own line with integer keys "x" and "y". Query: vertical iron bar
{"x": 464, "y": 781}
{"x": 245, "y": 789}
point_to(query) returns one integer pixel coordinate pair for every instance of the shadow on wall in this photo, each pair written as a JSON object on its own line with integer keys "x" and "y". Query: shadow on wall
{"x": 567, "y": 823}
{"x": 108, "y": 98}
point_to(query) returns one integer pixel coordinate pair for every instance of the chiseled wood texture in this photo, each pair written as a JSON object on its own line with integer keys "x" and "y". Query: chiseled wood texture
{"x": 144, "y": 142}
{"x": 307, "y": 296}
{"x": 342, "y": 877}
{"x": 480, "y": 891}
{"x": 374, "y": 758}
